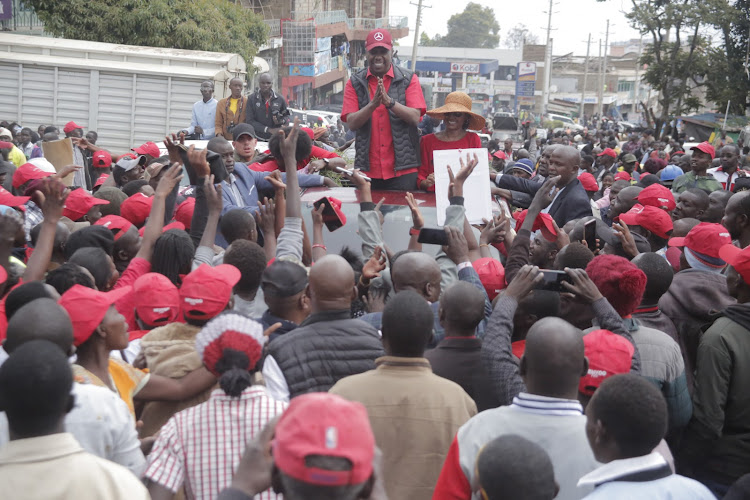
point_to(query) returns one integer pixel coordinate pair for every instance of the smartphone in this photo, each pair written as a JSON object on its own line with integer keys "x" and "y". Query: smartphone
{"x": 433, "y": 236}
{"x": 215, "y": 163}
{"x": 330, "y": 217}
{"x": 553, "y": 281}
{"x": 589, "y": 234}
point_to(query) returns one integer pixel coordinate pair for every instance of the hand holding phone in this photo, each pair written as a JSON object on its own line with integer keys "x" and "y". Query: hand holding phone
{"x": 433, "y": 236}
{"x": 553, "y": 280}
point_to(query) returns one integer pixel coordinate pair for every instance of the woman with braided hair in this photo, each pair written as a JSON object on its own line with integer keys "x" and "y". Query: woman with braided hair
{"x": 200, "y": 448}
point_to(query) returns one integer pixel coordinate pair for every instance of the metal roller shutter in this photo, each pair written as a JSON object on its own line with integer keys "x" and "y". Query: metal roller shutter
{"x": 72, "y": 98}
{"x": 151, "y": 101}
{"x": 115, "y": 112}
{"x": 9, "y": 103}
{"x": 37, "y": 91}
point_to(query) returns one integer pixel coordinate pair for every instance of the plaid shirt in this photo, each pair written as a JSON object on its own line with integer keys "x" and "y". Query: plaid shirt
{"x": 31, "y": 218}
{"x": 201, "y": 446}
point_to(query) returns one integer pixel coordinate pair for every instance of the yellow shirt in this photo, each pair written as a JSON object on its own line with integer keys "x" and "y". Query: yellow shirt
{"x": 17, "y": 157}
{"x": 127, "y": 379}
{"x": 233, "y": 103}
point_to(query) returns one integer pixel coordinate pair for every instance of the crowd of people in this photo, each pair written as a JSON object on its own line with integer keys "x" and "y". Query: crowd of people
{"x": 172, "y": 328}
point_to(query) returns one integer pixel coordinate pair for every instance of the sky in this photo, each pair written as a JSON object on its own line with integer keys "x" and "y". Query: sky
{"x": 572, "y": 20}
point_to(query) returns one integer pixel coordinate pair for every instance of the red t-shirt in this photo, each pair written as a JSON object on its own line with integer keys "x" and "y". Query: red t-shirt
{"x": 430, "y": 143}
{"x": 382, "y": 154}
{"x": 271, "y": 165}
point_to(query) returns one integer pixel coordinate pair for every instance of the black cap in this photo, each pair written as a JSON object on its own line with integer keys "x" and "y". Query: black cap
{"x": 243, "y": 129}
{"x": 283, "y": 279}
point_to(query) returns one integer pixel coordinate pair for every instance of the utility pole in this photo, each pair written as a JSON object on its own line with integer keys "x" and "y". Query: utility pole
{"x": 585, "y": 78}
{"x": 600, "y": 89}
{"x": 547, "y": 61}
{"x": 416, "y": 34}
{"x": 637, "y": 95}
{"x": 604, "y": 70}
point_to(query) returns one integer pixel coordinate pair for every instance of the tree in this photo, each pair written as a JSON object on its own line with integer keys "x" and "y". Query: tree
{"x": 518, "y": 35}
{"x": 475, "y": 27}
{"x": 213, "y": 25}
{"x": 728, "y": 79}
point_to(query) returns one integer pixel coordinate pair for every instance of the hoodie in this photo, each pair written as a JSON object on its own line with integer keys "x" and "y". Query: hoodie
{"x": 691, "y": 302}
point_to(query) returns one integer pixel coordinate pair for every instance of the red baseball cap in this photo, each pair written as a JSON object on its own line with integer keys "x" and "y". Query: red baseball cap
{"x": 87, "y": 307}
{"x": 706, "y": 148}
{"x": 608, "y": 355}
{"x": 623, "y": 176}
{"x": 6, "y": 145}
{"x": 649, "y": 218}
{"x": 132, "y": 156}
{"x": 101, "y": 159}
{"x": 704, "y": 241}
{"x": 28, "y": 172}
{"x": 206, "y": 291}
{"x": 172, "y": 225}
{"x": 492, "y": 275}
{"x": 118, "y": 225}
{"x": 136, "y": 208}
{"x": 543, "y": 222}
{"x": 336, "y": 219}
{"x": 309, "y": 132}
{"x": 588, "y": 182}
{"x": 148, "y": 148}
{"x": 184, "y": 212}
{"x": 321, "y": 424}
{"x": 657, "y": 196}
{"x": 157, "y": 300}
{"x": 500, "y": 155}
{"x": 70, "y": 126}
{"x": 738, "y": 258}
{"x": 7, "y": 199}
{"x": 378, "y": 38}
{"x": 101, "y": 180}
{"x": 79, "y": 202}
{"x": 609, "y": 152}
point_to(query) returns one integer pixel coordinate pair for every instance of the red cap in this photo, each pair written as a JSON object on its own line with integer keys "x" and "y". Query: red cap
{"x": 148, "y": 148}
{"x": 101, "y": 180}
{"x": 101, "y": 159}
{"x": 337, "y": 218}
{"x": 609, "y": 152}
{"x": 543, "y": 222}
{"x": 649, "y": 218}
{"x": 118, "y": 225}
{"x": 706, "y": 148}
{"x": 206, "y": 291}
{"x": 70, "y": 126}
{"x": 657, "y": 196}
{"x": 378, "y": 38}
{"x": 184, "y": 212}
{"x": 500, "y": 155}
{"x": 492, "y": 275}
{"x": 738, "y": 258}
{"x": 623, "y": 176}
{"x": 6, "y": 145}
{"x": 87, "y": 307}
{"x": 321, "y": 424}
{"x": 171, "y": 225}
{"x": 132, "y": 156}
{"x": 7, "y": 199}
{"x": 28, "y": 172}
{"x": 588, "y": 182}
{"x": 136, "y": 208}
{"x": 157, "y": 300}
{"x": 608, "y": 355}
{"x": 308, "y": 131}
{"x": 705, "y": 240}
{"x": 79, "y": 202}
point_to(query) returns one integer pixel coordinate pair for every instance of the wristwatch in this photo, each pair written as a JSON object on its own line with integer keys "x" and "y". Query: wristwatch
{"x": 326, "y": 161}
{"x": 389, "y": 106}
{"x": 413, "y": 231}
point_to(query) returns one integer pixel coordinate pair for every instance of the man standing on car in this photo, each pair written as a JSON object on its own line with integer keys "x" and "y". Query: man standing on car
{"x": 231, "y": 110}
{"x": 383, "y": 104}
{"x": 203, "y": 124}
{"x": 266, "y": 110}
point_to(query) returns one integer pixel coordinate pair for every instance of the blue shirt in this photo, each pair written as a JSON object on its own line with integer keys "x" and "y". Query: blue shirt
{"x": 204, "y": 116}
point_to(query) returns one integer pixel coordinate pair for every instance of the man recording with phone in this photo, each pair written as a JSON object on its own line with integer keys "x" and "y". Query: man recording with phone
{"x": 266, "y": 110}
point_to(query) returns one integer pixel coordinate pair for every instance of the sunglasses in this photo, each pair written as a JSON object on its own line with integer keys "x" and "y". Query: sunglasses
{"x": 454, "y": 115}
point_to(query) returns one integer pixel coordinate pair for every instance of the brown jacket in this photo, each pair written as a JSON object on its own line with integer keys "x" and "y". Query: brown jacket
{"x": 414, "y": 415}
{"x": 225, "y": 117}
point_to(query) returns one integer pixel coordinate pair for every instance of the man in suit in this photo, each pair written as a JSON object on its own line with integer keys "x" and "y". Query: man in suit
{"x": 570, "y": 201}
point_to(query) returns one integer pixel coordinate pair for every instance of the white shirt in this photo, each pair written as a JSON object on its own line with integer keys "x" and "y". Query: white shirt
{"x": 546, "y": 210}
{"x": 204, "y": 116}
{"x": 101, "y": 422}
{"x": 724, "y": 177}
{"x": 275, "y": 381}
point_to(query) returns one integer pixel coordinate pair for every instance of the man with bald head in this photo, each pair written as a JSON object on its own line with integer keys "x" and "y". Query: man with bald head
{"x": 569, "y": 199}
{"x": 737, "y": 218}
{"x": 543, "y": 389}
{"x": 624, "y": 201}
{"x": 100, "y": 421}
{"x": 327, "y": 346}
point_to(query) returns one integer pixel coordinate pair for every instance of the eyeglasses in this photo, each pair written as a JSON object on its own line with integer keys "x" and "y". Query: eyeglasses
{"x": 454, "y": 115}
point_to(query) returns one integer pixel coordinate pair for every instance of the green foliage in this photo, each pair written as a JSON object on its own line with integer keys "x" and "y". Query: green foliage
{"x": 475, "y": 27}
{"x": 212, "y": 25}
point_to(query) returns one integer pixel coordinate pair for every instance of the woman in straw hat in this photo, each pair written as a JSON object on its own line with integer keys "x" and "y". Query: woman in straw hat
{"x": 459, "y": 119}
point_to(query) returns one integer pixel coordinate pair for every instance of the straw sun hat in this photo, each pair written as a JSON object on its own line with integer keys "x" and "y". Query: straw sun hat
{"x": 458, "y": 102}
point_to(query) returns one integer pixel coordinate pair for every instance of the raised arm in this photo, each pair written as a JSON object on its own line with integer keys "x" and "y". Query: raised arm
{"x": 155, "y": 223}
{"x": 51, "y": 199}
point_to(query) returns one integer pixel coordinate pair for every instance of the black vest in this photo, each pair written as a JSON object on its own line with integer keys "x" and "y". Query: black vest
{"x": 405, "y": 137}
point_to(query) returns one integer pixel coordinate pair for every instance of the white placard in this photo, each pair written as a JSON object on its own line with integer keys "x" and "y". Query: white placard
{"x": 476, "y": 188}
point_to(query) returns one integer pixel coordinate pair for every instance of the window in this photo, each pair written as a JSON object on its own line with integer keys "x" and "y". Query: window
{"x": 625, "y": 86}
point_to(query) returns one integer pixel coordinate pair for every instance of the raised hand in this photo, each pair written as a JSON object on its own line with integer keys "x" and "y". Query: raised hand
{"x": 457, "y": 248}
{"x": 276, "y": 180}
{"x": 170, "y": 179}
{"x": 543, "y": 198}
{"x": 50, "y": 197}
{"x": 213, "y": 195}
{"x": 265, "y": 217}
{"x": 417, "y": 220}
{"x": 374, "y": 265}
{"x": 197, "y": 159}
{"x": 523, "y": 282}
{"x": 582, "y": 286}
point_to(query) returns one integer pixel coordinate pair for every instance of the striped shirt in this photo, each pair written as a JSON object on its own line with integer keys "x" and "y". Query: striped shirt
{"x": 542, "y": 405}
{"x": 201, "y": 447}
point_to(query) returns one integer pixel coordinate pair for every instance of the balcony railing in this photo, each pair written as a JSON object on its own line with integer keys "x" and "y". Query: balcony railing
{"x": 24, "y": 19}
{"x": 274, "y": 27}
